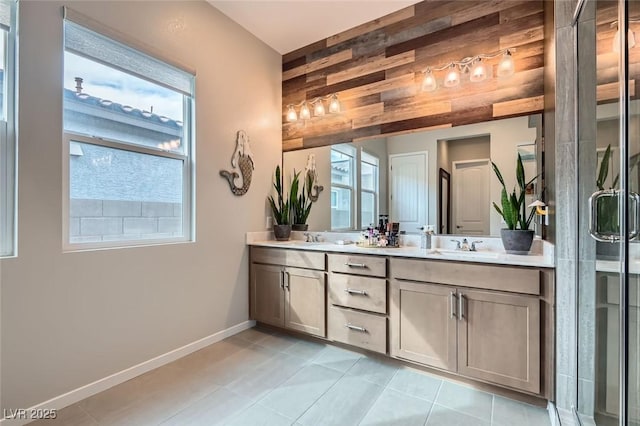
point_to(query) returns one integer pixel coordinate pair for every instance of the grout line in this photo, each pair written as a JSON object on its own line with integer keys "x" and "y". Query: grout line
{"x": 433, "y": 403}
{"x": 323, "y": 393}
{"x": 86, "y": 412}
{"x": 493, "y": 404}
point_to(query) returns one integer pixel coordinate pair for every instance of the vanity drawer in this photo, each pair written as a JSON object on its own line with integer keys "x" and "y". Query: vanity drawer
{"x": 367, "y": 331}
{"x": 491, "y": 277}
{"x": 286, "y": 257}
{"x": 366, "y": 293}
{"x": 373, "y": 266}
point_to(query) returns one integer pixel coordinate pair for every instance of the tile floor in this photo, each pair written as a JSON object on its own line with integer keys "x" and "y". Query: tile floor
{"x": 263, "y": 378}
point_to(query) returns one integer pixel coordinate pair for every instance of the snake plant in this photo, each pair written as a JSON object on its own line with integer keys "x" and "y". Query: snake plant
{"x": 513, "y": 208}
{"x": 281, "y": 207}
{"x": 300, "y": 204}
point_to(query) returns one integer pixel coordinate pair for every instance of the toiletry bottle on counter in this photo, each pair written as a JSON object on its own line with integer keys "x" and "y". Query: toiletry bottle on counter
{"x": 425, "y": 240}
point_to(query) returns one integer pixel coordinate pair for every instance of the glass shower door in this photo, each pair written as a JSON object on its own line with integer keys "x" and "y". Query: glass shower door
{"x": 608, "y": 120}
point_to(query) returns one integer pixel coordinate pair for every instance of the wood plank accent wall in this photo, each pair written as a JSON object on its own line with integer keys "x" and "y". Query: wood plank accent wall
{"x": 377, "y": 70}
{"x": 607, "y": 58}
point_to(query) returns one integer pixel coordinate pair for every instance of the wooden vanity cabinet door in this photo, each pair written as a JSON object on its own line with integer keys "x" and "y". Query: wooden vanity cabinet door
{"x": 305, "y": 301}
{"x": 499, "y": 338}
{"x": 423, "y": 323}
{"x": 267, "y": 294}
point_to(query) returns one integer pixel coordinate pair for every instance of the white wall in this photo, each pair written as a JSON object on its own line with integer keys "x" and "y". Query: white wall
{"x": 71, "y": 318}
{"x": 505, "y": 136}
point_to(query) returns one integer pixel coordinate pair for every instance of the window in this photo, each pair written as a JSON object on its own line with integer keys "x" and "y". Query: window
{"x": 353, "y": 168}
{"x": 7, "y": 128}
{"x": 342, "y": 187}
{"x": 369, "y": 183}
{"x": 128, "y": 143}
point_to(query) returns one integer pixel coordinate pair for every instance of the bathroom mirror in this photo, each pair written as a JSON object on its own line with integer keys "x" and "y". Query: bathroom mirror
{"x": 410, "y": 176}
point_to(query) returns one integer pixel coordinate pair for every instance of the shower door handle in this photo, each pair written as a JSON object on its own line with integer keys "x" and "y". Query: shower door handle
{"x": 611, "y": 235}
{"x": 635, "y": 231}
{"x": 594, "y": 229}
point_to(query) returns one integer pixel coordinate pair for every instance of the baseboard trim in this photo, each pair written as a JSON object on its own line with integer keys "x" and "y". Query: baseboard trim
{"x": 103, "y": 384}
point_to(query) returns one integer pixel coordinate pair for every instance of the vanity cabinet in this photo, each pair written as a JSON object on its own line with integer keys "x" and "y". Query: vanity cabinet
{"x": 486, "y": 322}
{"x": 493, "y": 335}
{"x": 424, "y": 324}
{"x": 499, "y": 338}
{"x": 288, "y": 296}
{"x": 357, "y": 305}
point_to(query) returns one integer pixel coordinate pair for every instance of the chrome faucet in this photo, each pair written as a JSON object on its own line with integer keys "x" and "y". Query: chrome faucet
{"x": 460, "y": 245}
{"x": 464, "y": 245}
{"x": 473, "y": 245}
{"x": 311, "y": 238}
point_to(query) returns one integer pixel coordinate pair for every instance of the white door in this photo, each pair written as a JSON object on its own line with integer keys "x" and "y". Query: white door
{"x": 408, "y": 190}
{"x": 470, "y": 196}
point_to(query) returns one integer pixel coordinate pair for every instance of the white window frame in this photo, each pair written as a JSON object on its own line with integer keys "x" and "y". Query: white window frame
{"x": 375, "y": 192}
{"x": 351, "y": 188}
{"x": 8, "y": 143}
{"x": 188, "y": 174}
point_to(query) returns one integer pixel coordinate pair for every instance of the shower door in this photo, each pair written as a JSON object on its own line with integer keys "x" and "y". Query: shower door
{"x": 608, "y": 120}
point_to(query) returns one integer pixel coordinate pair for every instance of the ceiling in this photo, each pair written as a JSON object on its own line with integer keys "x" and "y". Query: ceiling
{"x": 290, "y": 24}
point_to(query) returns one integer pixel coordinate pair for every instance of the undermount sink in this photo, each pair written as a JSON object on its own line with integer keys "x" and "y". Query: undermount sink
{"x": 470, "y": 254}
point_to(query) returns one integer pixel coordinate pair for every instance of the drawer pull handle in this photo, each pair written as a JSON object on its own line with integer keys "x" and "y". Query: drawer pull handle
{"x": 356, "y": 328}
{"x": 461, "y": 307}
{"x": 453, "y": 304}
{"x": 353, "y": 291}
{"x": 355, "y": 265}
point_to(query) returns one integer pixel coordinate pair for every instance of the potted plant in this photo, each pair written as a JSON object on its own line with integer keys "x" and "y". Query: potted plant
{"x": 300, "y": 204}
{"x": 608, "y": 222}
{"x": 280, "y": 210}
{"x": 516, "y": 237}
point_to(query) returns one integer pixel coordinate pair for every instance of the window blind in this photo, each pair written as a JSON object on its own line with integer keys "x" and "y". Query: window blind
{"x": 100, "y": 47}
{"x": 5, "y": 14}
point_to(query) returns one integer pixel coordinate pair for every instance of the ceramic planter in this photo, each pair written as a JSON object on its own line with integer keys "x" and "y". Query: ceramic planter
{"x": 517, "y": 241}
{"x": 300, "y": 226}
{"x": 282, "y": 232}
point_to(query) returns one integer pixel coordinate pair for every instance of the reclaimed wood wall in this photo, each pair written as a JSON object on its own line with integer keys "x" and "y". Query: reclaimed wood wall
{"x": 377, "y": 70}
{"x": 608, "y": 89}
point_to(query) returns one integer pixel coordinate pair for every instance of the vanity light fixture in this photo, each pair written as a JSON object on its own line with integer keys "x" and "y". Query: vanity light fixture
{"x": 631, "y": 37}
{"x": 429, "y": 83}
{"x": 475, "y": 66}
{"x": 453, "y": 77}
{"x": 478, "y": 71}
{"x": 317, "y": 105}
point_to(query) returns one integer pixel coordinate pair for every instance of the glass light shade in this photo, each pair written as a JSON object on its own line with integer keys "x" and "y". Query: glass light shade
{"x": 453, "y": 77}
{"x": 305, "y": 114}
{"x": 506, "y": 67}
{"x": 318, "y": 108}
{"x": 291, "y": 114}
{"x": 334, "y": 105}
{"x": 631, "y": 40}
{"x": 429, "y": 83}
{"x": 478, "y": 72}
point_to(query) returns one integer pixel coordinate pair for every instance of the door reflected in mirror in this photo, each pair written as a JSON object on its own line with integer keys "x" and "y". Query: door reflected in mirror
{"x": 439, "y": 177}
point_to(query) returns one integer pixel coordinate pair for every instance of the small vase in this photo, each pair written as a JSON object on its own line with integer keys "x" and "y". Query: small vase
{"x": 282, "y": 232}
{"x": 517, "y": 241}
{"x": 300, "y": 226}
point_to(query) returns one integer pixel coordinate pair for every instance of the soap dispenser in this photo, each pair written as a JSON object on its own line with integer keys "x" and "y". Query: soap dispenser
{"x": 425, "y": 240}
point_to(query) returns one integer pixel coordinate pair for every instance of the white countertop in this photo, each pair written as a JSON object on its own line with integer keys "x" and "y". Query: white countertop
{"x": 542, "y": 259}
